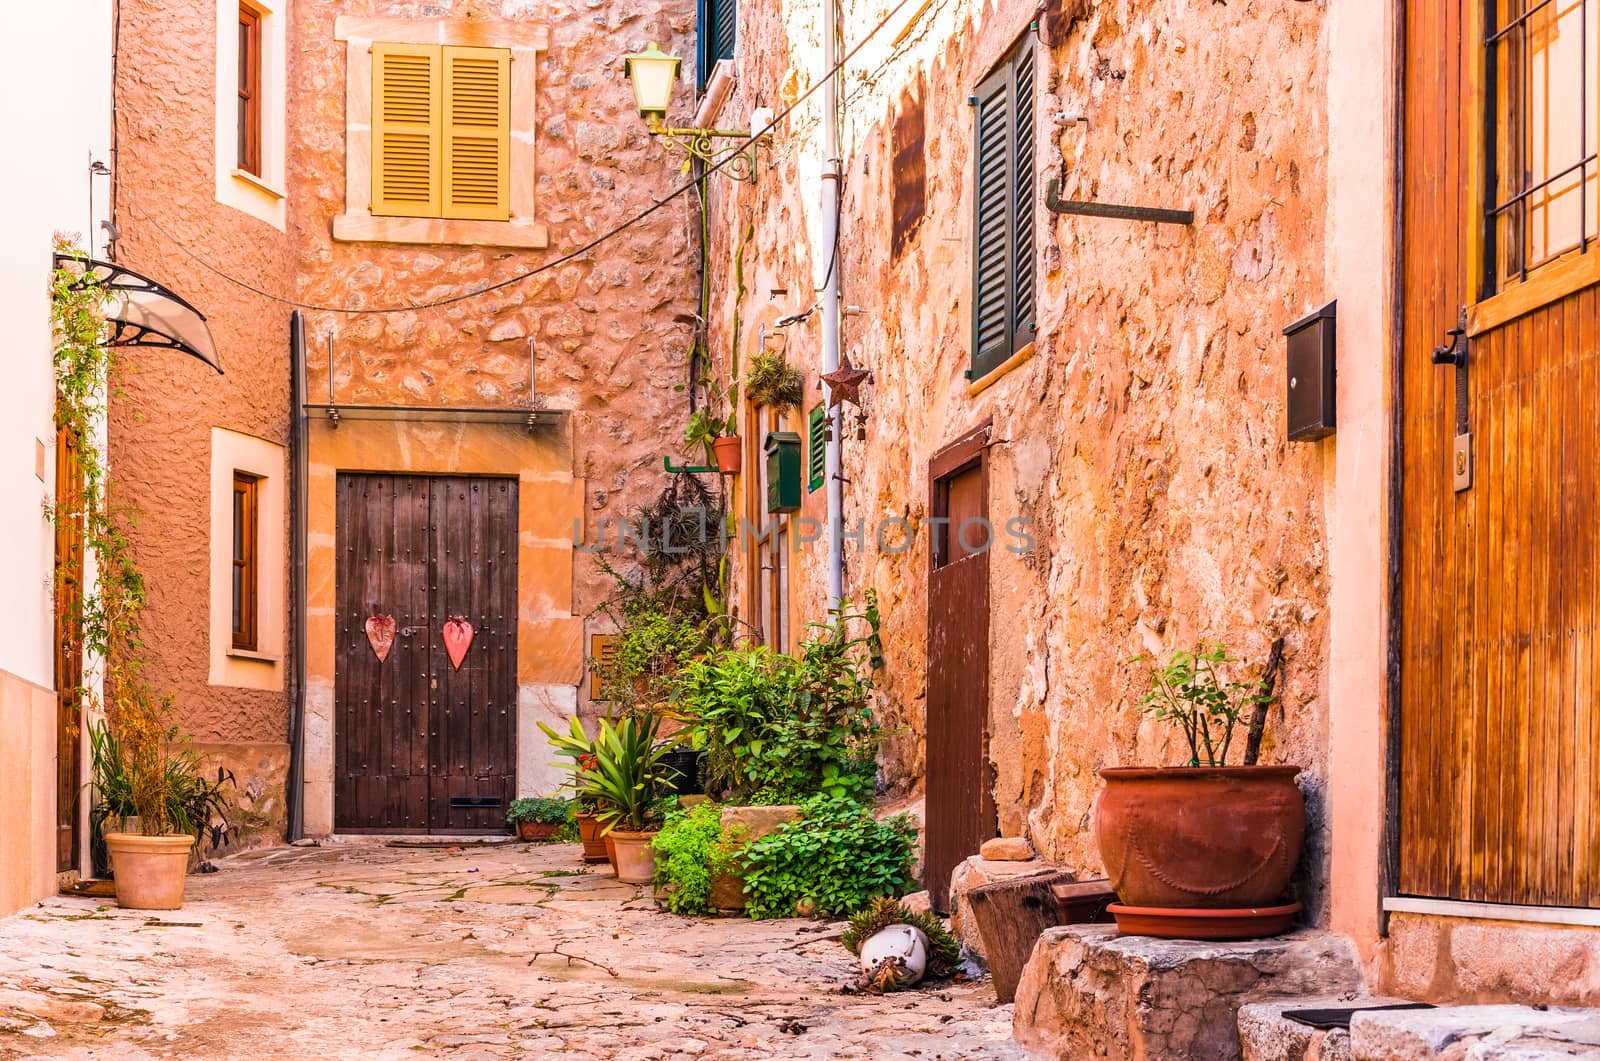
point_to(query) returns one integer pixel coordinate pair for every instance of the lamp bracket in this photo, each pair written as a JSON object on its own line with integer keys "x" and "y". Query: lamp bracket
{"x": 699, "y": 145}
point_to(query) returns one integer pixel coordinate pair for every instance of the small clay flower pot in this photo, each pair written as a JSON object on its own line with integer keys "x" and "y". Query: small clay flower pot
{"x": 636, "y": 858}
{"x": 1218, "y": 838}
{"x": 149, "y": 870}
{"x": 533, "y": 832}
{"x": 729, "y": 454}
{"x": 594, "y": 847}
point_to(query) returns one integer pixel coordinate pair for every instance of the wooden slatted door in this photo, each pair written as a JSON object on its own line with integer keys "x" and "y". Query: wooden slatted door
{"x": 69, "y": 583}
{"x": 959, "y": 788}
{"x": 420, "y": 746}
{"x": 1499, "y": 744}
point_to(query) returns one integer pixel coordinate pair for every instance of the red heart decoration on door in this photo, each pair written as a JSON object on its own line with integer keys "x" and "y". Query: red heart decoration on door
{"x": 457, "y": 639}
{"x": 380, "y": 634}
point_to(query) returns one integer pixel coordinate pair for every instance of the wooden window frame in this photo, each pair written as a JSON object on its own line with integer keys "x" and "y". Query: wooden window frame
{"x": 1020, "y": 178}
{"x": 249, "y": 145}
{"x": 1498, "y": 301}
{"x": 245, "y": 572}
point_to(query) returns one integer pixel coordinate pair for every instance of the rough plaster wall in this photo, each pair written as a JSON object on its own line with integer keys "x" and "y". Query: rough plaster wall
{"x": 1144, "y": 440}
{"x": 612, "y": 328}
{"x": 160, "y": 430}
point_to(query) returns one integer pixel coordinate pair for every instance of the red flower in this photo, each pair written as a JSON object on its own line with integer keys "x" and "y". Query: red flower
{"x": 589, "y": 762}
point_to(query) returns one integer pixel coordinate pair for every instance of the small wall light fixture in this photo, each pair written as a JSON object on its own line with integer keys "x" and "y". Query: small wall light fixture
{"x": 653, "y": 73}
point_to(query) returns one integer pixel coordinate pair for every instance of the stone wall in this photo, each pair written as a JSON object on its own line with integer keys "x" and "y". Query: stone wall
{"x": 611, "y": 328}
{"x": 175, "y": 231}
{"x": 1144, "y": 438}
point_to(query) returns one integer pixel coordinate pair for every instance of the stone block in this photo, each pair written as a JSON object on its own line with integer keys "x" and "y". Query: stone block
{"x": 743, "y": 824}
{"x": 1006, "y": 849}
{"x": 975, "y": 872}
{"x": 1265, "y": 1034}
{"x": 1088, "y": 992}
{"x": 1478, "y": 1033}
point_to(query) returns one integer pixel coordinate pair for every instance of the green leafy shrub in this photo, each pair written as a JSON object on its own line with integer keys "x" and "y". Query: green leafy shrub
{"x": 628, "y": 780}
{"x": 788, "y": 727}
{"x": 546, "y": 810}
{"x": 1191, "y": 693}
{"x": 690, "y": 850}
{"x": 837, "y": 858}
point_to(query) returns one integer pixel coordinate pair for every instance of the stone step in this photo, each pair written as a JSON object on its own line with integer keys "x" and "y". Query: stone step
{"x": 1265, "y": 1034}
{"x": 1089, "y": 993}
{"x": 1476, "y": 1033}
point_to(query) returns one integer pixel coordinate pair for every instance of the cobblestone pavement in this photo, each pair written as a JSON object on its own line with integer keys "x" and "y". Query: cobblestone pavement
{"x": 366, "y": 950}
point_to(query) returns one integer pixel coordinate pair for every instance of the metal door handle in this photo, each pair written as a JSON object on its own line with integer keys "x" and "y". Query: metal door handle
{"x": 1456, "y": 352}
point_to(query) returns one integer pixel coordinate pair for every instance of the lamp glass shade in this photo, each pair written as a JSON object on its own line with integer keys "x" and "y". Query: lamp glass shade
{"x": 652, "y": 72}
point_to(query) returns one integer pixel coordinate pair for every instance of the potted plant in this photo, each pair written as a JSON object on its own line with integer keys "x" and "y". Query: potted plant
{"x": 155, "y": 804}
{"x": 1205, "y": 850}
{"x": 770, "y": 380}
{"x": 628, "y": 784}
{"x": 715, "y": 433}
{"x": 579, "y": 752}
{"x": 537, "y": 817}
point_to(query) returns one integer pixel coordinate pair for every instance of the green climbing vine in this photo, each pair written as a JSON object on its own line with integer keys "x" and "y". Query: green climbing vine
{"x": 108, "y": 604}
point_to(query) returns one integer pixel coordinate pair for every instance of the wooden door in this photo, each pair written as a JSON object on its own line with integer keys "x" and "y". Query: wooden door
{"x": 958, "y": 783}
{"x": 69, "y": 646}
{"x": 1499, "y": 742}
{"x": 420, "y": 746}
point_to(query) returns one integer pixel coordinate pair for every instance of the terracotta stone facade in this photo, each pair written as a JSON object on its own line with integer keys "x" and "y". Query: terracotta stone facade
{"x": 609, "y": 332}
{"x": 1143, "y": 439}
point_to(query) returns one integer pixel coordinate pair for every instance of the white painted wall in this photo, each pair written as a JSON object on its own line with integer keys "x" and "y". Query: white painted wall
{"x": 55, "y": 68}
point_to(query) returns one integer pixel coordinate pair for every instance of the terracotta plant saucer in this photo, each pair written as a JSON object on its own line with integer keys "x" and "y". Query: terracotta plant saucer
{"x": 1166, "y": 922}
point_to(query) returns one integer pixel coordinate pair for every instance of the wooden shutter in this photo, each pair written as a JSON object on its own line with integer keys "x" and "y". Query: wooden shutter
{"x": 477, "y": 133}
{"x": 1022, "y": 291}
{"x": 991, "y": 230}
{"x": 816, "y": 451}
{"x": 1003, "y": 293}
{"x": 405, "y": 130}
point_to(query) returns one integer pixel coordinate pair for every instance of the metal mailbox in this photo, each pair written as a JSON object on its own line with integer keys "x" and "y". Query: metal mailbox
{"x": 1309, "y": 399}
{"x": 785, "y": 486}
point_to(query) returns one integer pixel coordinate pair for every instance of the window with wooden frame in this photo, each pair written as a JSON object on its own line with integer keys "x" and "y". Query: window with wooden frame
{"x": 249, "y": 89}
{"x": 246, "y": 559}
{"x": 1541, "y": 133}
{"x": 1003, "y": 314}
{"x": 441, "y": 131}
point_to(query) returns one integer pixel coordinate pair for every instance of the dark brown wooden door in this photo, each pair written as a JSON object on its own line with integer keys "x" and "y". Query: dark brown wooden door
{"x": 1499, "y": 743}
{"x": 958, "y": 783}
{"x": 420, "y": 746}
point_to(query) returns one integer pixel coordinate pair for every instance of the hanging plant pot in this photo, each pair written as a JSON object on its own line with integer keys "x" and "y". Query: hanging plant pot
{"x": 729, "y": 452}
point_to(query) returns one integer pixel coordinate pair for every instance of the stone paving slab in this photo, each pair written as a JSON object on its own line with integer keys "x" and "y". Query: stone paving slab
{"x": 520, "y": 951}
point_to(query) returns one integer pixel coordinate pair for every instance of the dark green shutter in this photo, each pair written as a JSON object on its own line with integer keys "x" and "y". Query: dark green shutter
{"x": 816, "y": 448}
{"x": 1003, "y": 296}
{"x": 991, "y": 228}
{"x": 1022, "y": 301}
{"x": 719, "y": 27}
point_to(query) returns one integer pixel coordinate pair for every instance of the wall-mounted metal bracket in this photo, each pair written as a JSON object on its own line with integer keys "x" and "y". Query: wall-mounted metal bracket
{"x": 1160, "y": 215}
{"x": 666, "y": 462}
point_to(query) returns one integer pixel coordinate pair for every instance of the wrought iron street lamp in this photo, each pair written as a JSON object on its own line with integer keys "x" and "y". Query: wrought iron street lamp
{"x": 653, "y": 73}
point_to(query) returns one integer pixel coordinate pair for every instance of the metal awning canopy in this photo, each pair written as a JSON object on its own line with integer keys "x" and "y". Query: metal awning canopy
{"x": 144, "y": 313}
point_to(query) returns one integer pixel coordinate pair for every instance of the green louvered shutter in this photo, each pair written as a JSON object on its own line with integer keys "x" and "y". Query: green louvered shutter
{"x": 1022, "y": 300}
{"x": 991, "y": 227}
{"x": 1003, "y": 287}
{"x": 816, "y": 448}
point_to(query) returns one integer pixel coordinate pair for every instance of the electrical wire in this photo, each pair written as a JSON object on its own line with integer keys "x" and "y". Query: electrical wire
{"x": 615, "y": 230}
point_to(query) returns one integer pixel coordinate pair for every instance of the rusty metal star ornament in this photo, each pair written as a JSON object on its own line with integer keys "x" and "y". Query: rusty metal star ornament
{"x": 844, "y": 382}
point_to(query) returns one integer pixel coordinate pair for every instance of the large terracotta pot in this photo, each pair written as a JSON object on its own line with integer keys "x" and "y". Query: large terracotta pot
{"x": 730, "y": 458}
{"x": 594, "y": 848}
{"x": 534, "y": 832}
{"x": 636, "y": 858}
{"x": 149, "y": 870}
{"x": 1222, "y": 837}
{"x": 611, "y": 850}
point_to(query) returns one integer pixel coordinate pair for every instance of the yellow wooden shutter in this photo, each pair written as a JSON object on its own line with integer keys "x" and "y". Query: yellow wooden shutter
{"x": 477, "y": 133}
{"x": 406, "y": 115}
